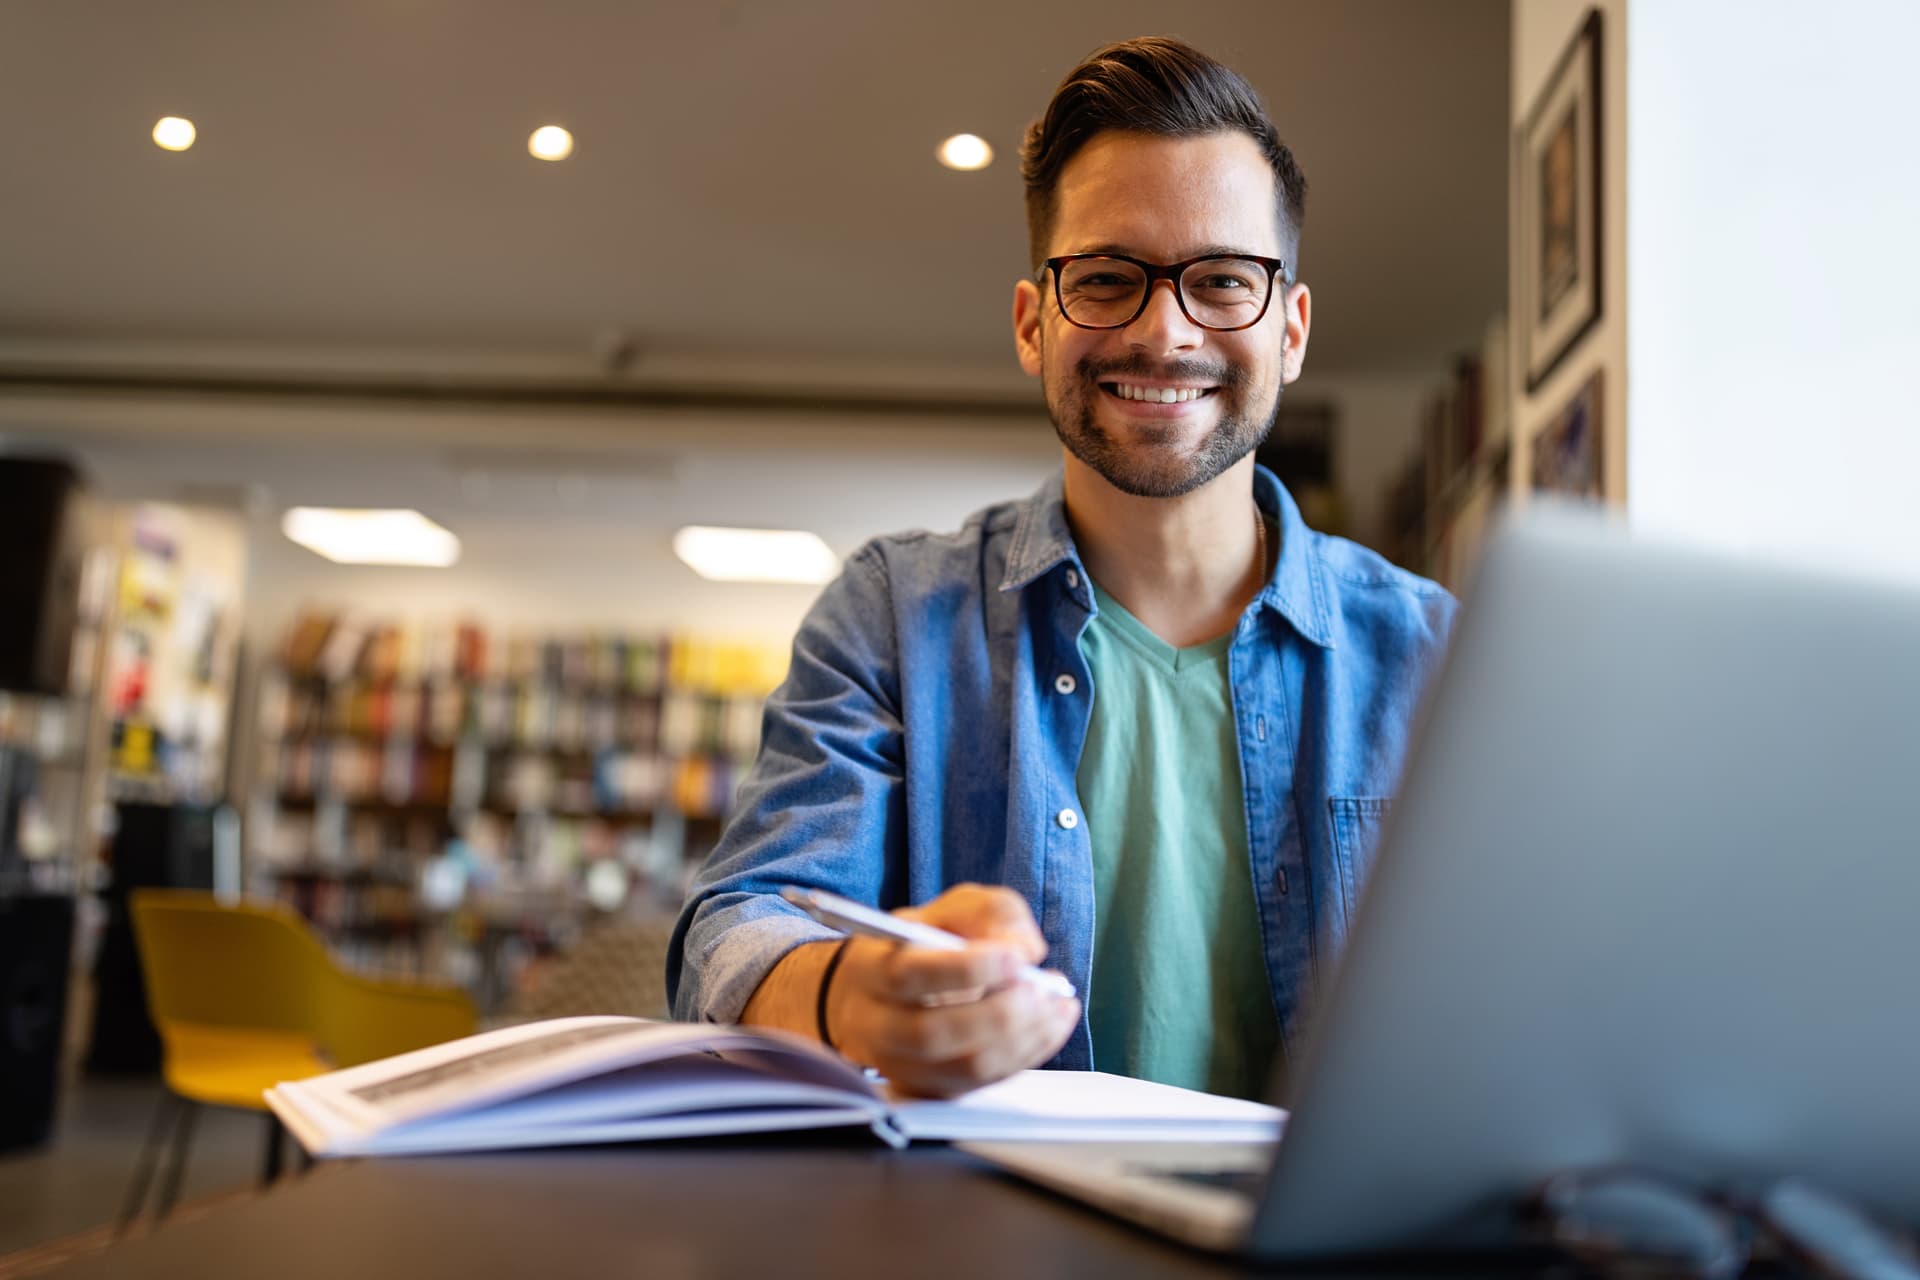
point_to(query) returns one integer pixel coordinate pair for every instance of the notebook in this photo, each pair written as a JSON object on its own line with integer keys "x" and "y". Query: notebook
{"x": 606, "y": 1079}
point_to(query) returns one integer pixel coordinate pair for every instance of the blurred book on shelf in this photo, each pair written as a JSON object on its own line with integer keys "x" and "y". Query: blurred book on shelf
{"x": 137, "y": 708}
{"x": 443, "y": 796}
{"x": 172, "y": 650}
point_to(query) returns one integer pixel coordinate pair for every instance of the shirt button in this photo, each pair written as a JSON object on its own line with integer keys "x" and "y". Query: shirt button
{"x": 1068, "y": 819}
{"x": 1073, "y": 578}
{"x": 1064, "y": 684}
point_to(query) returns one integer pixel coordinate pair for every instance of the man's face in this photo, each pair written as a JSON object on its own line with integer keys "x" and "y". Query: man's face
{"x": 1162, "y": 200}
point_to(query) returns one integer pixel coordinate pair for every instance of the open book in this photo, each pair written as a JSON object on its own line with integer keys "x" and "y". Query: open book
{"x": 580, "y": 1080}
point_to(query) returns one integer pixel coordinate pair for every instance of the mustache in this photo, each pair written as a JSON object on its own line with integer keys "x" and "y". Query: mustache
{"x": 1229, "y": 376}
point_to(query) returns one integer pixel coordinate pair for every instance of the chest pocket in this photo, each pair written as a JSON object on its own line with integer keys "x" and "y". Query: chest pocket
{"x": 1356, "y": 837}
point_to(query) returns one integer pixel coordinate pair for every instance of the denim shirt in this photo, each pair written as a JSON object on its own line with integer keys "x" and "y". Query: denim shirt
{"x": 928, "y": 734}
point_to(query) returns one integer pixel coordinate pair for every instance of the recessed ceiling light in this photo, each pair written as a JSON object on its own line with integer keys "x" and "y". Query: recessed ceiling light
{"x": 171, "y": 133}
{"x": 756, "y": 555}
{"x": 965, "y": 151}
{"x": 372, "y": 535}
{"x": 550, "y": 142}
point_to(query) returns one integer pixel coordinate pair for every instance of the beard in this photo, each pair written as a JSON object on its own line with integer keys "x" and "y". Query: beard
{"x": 1153, "y": 467}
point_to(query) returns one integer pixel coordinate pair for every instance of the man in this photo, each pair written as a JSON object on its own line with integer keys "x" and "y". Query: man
{"x": 1148, "y": 705}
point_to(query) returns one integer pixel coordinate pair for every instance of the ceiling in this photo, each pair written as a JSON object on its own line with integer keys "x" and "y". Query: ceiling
{"x": 753, "y": 179}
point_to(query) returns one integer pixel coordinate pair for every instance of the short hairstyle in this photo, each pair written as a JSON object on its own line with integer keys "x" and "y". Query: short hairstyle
{"x": 1159, "y": 86}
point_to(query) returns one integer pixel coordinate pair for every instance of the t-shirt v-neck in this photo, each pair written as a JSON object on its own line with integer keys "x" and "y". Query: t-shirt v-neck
{"x": 1179, "y": 989}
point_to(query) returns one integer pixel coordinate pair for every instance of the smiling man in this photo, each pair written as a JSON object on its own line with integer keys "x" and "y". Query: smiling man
{"x": 1141, "y": 726}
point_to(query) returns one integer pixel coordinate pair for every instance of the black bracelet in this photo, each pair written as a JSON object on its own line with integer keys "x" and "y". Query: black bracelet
{"x": 826, "y": 980}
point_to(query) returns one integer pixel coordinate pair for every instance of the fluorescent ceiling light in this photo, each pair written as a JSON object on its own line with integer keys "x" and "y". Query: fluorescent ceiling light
{"x": 550, "y": 142}
{"x": 756, "y": 555}
{"x": 965, "y": 151}
{"x": 371, "y": 536}
{"x": 173, "y": 133}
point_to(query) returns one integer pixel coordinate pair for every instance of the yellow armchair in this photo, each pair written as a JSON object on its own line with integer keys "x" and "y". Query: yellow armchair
{"x": 245, "y": 996}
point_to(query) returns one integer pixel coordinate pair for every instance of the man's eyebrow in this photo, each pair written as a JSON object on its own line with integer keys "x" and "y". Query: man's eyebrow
{"x": 1199, "y": 251}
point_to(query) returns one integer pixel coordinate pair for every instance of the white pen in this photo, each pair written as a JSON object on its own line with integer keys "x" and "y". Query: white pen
{"x": 851, "y": 917}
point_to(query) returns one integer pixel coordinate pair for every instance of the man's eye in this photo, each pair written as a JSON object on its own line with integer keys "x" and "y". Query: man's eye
{"x": 1103, "y": 280}
{"x": 1223, "y": 284}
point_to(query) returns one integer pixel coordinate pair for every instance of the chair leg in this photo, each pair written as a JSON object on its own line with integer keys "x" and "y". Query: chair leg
{"x": 276, "y": 1143}
{"x": 182, "y": 1142}
{"x": 143, "y": 1167}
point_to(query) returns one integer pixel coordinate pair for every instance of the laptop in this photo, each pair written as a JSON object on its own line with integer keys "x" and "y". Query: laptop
{"x": 1650, "y": 894}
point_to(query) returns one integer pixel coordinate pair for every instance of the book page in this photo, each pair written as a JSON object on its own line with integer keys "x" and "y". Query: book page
{"x": 676, "y": 1086}
{"x": 495, "y": 1067}
{"x": 477, "y": 1136}
{"x": 1091, "y": 1106}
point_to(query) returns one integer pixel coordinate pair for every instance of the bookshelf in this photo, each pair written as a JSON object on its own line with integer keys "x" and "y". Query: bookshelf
{"x": 172, "y": 643}
{"x": 454, "y": 801}
{"x": 144, "y": 712}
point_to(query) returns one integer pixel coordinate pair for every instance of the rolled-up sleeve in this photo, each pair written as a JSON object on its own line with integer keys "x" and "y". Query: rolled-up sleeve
{"x": 822, "y": 807}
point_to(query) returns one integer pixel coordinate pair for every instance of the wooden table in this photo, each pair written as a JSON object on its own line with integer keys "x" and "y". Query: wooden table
{"x": 800, "y": 1206}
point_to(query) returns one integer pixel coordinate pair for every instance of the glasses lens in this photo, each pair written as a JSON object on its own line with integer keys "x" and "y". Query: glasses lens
{"x": 1226, "y": 293}
{"x": 1100, "y": 291}
{"x": 1636, "y": 1225}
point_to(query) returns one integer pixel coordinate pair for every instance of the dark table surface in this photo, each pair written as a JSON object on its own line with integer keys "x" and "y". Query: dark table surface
{"x": 792, "y": 1207}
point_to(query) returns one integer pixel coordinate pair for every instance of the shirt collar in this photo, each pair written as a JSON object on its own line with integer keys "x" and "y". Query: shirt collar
{"x": 1040, "y": 536}
{"x": 1297, "y": 589}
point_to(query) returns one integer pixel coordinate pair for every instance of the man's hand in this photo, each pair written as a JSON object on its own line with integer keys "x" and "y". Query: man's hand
{"x": 943, "y": 1022}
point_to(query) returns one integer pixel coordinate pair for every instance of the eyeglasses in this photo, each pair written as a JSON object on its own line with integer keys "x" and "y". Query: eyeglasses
{"x": 1633, "y": 1222}
{"x": 1110, "y": 291}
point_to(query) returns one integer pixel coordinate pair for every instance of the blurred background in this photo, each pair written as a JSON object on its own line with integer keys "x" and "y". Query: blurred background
{"x": 560, "y": 287}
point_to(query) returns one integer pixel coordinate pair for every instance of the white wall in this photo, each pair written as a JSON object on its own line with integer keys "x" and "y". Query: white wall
{"x": 1542, "y": 30}
{"x": 1774, "y": 223}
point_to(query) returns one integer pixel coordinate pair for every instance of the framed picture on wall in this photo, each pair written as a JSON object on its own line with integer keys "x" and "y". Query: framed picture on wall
{"x": 1568, "y": 452}
{"x": 1559, "y": 168}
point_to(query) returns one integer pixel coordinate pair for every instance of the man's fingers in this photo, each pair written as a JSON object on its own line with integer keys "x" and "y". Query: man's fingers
{"x": 986, "y": 912}
{"x": 913, "y": 975}
{"x": 929, "y": 1035}
{"x": 942, "y": 1022}
{"x": 1029, "y": 1046}
{"x": 942, "y": 1033}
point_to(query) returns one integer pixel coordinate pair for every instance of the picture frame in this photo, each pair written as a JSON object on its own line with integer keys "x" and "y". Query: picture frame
{"x": 1559, "y": 203}
{"x": 1569, "y": 453}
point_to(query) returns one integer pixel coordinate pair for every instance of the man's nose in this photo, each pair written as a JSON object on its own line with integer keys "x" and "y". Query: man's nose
{"x": 1162, "y": 328}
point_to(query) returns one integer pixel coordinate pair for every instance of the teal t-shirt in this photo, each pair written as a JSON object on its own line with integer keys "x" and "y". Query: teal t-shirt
{"x": 1179, "y": 991}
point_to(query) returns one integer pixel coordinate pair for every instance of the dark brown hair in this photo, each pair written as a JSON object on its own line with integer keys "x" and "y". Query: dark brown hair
{"x": 1160, "y": 86}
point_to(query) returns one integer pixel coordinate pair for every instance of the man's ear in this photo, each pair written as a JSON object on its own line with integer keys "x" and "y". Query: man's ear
{"x": 1298, "y": 302}
{"x": 1026, "y": 325}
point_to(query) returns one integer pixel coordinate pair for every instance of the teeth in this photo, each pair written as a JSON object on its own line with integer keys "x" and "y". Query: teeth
{"x": 1158, "y": 395}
